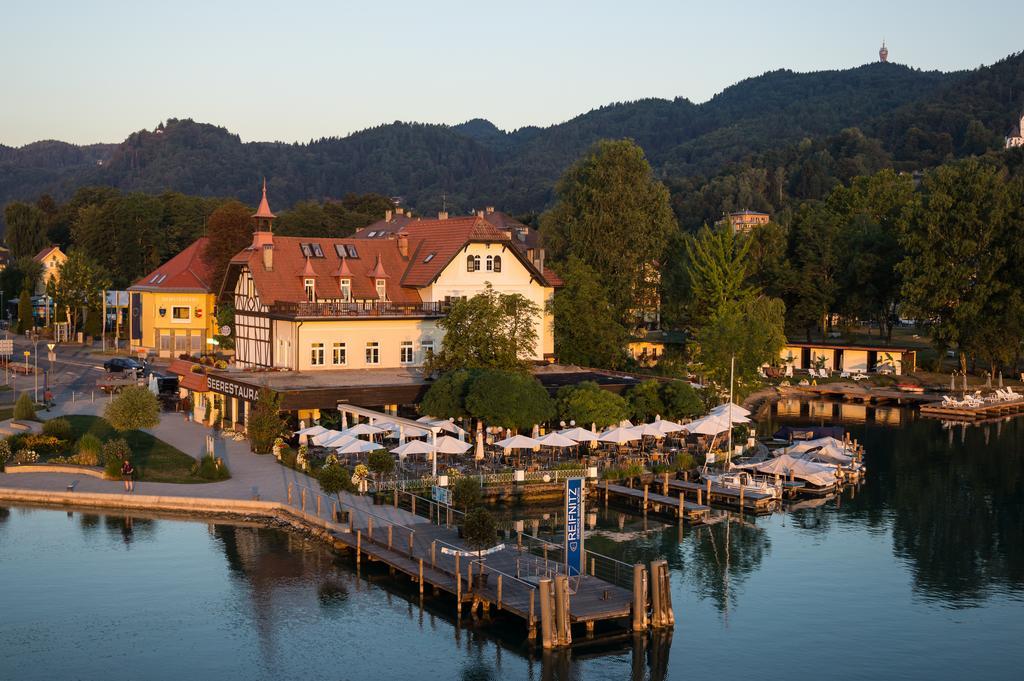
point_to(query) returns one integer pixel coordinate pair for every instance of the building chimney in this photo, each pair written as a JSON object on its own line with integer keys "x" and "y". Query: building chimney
{"x": 403, "y": 244}
{"x": 479, "y": 213}
{"x": 490, "y": 209}
{"x": 442, "y": 215}
{"x": 268, "y": 257}
{"x": 388, "y": 215}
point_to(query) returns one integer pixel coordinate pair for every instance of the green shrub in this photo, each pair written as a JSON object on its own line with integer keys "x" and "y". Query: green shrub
{"x": 381, "y": 462}
{"x": 5, "y": 453}
{"x": 288, "y": 456}
{"x": 479, "y": 529}
{"x": 210, "y": 468}
{"x": 611, "y": 473}
{"x": 335, "y": 478}
{"x": 43, "y": 444}
{"x": 135, "y": 408}
{"x": 684, "y": 462}
{"x": 466, "y": 492}
{"x": 114, "y": 453}
{"x": 88, "y": 445}
{"x": 58, "y": 428}
{"x": 24, "y": 408}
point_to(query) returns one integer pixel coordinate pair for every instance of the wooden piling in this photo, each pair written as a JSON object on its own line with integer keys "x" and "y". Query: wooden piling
{"x": 741, "y": 499}
{"x": 593, "y": 567}
{"x": 664, "y": 484}
{"x": 433, "y": 553}
{"x": 708, "y": 493}
{"x": 679, "y": 513}
{"x": 412, "y": 539}
{"x": 359, "y": 545}
{"x": 563, "y": 625}
{"x": 645, "y": 498}
{"x": 545, "y": 613}
{"x": 289, "y": 494}
{"x": 318, "y": 505}
{"x": 389, "y": 537}
{"x": 369, "y": 527}
{"x": 656, "y": 607}
{"x": 531, "y": 628}
{"x": 639, "y": 598}
{"x": 303, "y": 499}
{"x": 421, "y": 576}
{"x": 413, "y": 497}
{"x": 499, "y": 591}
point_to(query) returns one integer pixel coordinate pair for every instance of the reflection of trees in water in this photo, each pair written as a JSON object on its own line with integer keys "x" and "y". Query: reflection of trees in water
{"x": 721, "y": 558}
{"x": 958, "y": 509}
{"x": 953, "y": 498}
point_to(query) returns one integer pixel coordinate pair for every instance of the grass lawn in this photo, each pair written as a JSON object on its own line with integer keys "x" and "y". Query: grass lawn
{"x": 154, "y": 459}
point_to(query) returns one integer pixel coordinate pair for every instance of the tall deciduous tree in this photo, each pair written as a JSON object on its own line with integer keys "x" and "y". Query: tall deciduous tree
{"x": 959, "y": 239}
{"x": 587, "y": 330}
{"x": 229, "y": 230}
{"x": 588, "y": 403}
{"x": 508, "y": 399}
{"x": 750, "y": 330}
{"x": 78, "y": 288}
{"x": 491, "y": 330}
{"x": 25, "y": 319}
{"x": 265, "y": 423}
{"x": 718, "y": 269}
{"x": 26, "y": 229}
{"x": 615, "y": 216}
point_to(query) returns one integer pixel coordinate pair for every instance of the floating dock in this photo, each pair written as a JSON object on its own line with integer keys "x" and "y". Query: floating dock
{"x": 756, "y": 503}
{"x": 665, "y": 504}
{"x": 989, "y": 410}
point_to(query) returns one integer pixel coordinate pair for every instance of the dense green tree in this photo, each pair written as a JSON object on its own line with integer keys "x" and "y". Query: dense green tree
{"x": 446, "y": 397}
{"x": 508, "y": 399}
{"x": 644, "y": 401}
{"x": 490, "y": 330}
{"x": 587, "y": 330}
{"x": 25, "y": 319}
{"x": 815, "y": 265}
{"x": 680, "y": 400}
{"x": 479, "y": 529}
{"x": 958, "y": 241}
{"x": 265, "y": 424}
{"x": 614, "y": 215}
{"x": 134, "y": 408}
{"x": 26, "y": 229}
{"x": 466, "y": 492}
{"x": 335, "y": 479}
{"x": 750, "y": 330}
{"x": 229, "y": 230}
{"x": 718, "y": 269}
{"x": 78, "y": 289}
{"x": 587, "y": 403}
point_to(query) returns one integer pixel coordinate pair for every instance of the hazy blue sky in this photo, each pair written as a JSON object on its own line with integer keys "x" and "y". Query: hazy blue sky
{"x": 295, "y": 70}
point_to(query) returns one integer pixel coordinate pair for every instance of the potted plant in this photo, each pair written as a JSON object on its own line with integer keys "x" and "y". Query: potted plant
{"x": 480, "y": 532}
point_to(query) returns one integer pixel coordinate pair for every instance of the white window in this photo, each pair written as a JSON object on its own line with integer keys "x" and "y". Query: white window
{"x": 338, "y": 354}
{"x": 310, "y": 289}
{"x": 316, "y": 356}
{"x": 346, "y": 290}
{"x": 426, "y": 349}
{"x": 405, "y": 352}
{"x": 373, "y": 352}
{"x": 382, "y": 289}
{"x": 181, "y": 313}
{"x": 490, "y": 263}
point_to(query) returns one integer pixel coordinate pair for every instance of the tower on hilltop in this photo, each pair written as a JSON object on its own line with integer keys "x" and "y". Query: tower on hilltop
{"x": 883, "y": 53}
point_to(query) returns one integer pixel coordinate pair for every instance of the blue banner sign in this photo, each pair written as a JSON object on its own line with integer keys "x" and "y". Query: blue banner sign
{"x": 442, "y": 495}
{"x": 574, "y": 561}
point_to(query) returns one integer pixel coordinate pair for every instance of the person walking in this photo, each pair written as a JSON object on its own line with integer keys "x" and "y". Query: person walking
{"x": 128, "y": 474}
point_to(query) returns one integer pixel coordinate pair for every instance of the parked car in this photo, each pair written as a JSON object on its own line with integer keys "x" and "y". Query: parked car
{"x": 118, "y": 365}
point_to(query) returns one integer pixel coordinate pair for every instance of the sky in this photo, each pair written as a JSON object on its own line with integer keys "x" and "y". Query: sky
{"x": 295, "y": 70}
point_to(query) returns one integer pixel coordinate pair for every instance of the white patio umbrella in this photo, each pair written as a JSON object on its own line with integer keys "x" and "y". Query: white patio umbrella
{"x": 736, "y": 409}
{"x": 517, "y": 442}
{"x": 363, "y": 429}
{"x": 557, "y": 440}
{"x": 619, "y": 436}
{"x": 649, "y": 430}
{"x": 449, "y": 427}
{"x": 333, "y": 438}
{"x": 357, "y": 447}
{"x": 311, "y": 431}
{"x": 451, "y": 445}
{"x": 713, "y": 424}
{"x": 323, "y": 437}
{"x": 667, "y": 427}
{"x": 579, "y": 434}
{"x": 413, "y": 447}
{"x": 625, "y": 423}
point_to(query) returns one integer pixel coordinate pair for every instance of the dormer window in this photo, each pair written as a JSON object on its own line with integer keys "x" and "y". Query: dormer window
{"x": 346, "y": 290}
{"x": 310, "y": 285}
{"x": 382, "y": 289}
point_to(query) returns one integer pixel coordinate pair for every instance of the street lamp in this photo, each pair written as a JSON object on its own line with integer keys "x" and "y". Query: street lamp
{"x": 35, "y": 362}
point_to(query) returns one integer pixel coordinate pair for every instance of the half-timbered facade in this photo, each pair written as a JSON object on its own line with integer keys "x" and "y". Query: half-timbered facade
{"x": 307, "y": 304}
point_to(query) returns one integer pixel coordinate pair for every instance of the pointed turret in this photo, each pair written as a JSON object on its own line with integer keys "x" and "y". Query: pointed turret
{"x": 378, "y": 271}
{"x": 263, "y": 214}
{"x": 343, "y": 269}
{"x": 308, "y": 270}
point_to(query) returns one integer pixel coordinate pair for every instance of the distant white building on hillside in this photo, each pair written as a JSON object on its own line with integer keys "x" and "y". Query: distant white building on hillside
{"x": 1016, "y": 138}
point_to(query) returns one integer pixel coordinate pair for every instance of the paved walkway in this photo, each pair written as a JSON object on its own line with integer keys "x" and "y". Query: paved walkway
{"x": 252, "y": 475}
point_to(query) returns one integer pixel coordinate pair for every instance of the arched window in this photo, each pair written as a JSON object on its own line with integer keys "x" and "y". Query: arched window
{"x": 470, "y": 264}
{"x": 490, "y": 263}
{"x": 497, "y": 263}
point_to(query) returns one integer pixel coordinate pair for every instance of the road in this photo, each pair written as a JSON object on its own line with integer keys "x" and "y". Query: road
{"x": 72, "y": 376}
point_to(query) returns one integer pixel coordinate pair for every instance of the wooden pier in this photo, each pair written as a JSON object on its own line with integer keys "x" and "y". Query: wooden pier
{"x": 855, "y": 393}
{"x": 989, "y": 410}
{"x": 665, "y": 504}
{"x": 755, "y": 503}
{"x": 524, "y": 576}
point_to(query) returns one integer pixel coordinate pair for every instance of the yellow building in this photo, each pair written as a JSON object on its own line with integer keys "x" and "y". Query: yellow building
{"x": 745, "y": 221}
{"x": 172, "y": 307}
{"x": 51, "y": 258}
{"x": 849, "y": 358}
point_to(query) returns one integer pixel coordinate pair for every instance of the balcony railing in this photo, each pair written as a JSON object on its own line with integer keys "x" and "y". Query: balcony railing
{"x": 340, "y": 310}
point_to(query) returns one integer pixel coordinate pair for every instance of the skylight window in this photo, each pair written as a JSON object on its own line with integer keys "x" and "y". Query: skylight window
{"x": 161, "y": 279}
{"x": 153, "y": 279}
{"x": 351, "y": 250}
{"x": 371, "y": 235}
{"x": 340, "y": 250}
{"x": 430, "y": 256}
{"x": 317, "y": 251}
{"x": 306, "y": 250}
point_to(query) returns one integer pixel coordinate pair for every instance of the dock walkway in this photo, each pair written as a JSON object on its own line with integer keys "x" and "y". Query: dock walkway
{"x": 646, "y": 500}
{"x": 988, "y": 410}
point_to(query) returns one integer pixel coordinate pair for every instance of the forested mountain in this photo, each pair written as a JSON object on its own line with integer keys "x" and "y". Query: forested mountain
{"x": 760, "y": 143}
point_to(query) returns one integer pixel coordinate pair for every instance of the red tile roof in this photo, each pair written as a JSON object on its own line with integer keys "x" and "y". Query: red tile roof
{"x": 186, "y": 271}
{"x": 41, "y": 255}
{"x": 284, "y": 284}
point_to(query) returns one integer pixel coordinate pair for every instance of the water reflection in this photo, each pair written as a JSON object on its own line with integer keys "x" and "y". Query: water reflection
{"x": 723, "y": 556}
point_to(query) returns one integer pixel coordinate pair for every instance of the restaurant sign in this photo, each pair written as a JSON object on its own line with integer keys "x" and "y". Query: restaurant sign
{"x": 574, "y": 526}
{"x": 242, "y": 391}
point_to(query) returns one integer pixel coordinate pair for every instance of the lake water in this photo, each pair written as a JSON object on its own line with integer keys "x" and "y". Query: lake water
{"x": 918, "y": 574}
